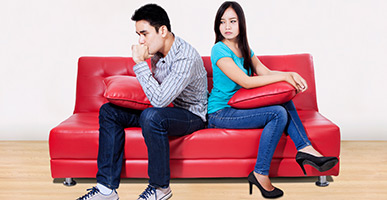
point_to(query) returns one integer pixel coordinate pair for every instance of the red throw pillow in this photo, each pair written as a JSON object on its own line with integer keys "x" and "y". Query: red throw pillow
{"x": 272, "y": 94}
{"x": 126, "y": 91}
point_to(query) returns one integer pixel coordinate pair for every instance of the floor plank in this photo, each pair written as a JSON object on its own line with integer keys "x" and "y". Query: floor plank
{"x": 25, "y": 174}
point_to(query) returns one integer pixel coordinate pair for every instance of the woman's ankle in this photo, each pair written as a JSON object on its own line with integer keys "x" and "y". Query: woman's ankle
{"x": 264, "y": 181}
{"x": 310, "y": 150}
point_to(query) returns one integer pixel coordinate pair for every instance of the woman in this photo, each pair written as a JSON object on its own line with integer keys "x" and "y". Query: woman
{"x": 233, "y": 63}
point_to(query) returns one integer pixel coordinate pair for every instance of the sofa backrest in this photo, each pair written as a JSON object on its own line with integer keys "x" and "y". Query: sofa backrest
{"x": 303, "y": 65}
{"x": 93, "y": 70}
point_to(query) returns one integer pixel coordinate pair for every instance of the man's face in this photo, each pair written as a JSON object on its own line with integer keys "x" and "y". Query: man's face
{"x": 149, "y": 37}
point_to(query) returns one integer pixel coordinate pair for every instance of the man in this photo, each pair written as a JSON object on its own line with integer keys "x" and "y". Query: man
{"x": 177, "y": 77}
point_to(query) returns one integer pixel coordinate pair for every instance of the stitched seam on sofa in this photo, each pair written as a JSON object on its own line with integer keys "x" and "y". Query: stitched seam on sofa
{"x": 259, "y": 96}
{"x": 133, "y": 101}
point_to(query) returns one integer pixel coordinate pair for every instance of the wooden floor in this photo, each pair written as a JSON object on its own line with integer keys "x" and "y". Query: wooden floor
{"x": 25, "y": 174}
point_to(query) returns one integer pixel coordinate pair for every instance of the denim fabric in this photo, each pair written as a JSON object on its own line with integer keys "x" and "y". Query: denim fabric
{"x": 275, "y": 120}
{"x": 112, "y": 121}
{"x": 157, "y": 124}
{"x": 294, "y": 127}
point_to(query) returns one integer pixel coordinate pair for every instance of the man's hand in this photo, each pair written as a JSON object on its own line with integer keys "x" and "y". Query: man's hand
{"x": 140, "y": 53}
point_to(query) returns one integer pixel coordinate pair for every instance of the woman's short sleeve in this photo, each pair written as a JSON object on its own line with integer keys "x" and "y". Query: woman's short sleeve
{"x": 219, "y": 50}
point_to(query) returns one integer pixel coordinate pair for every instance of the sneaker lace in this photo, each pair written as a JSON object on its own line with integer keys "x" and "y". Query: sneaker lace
{"x": 92, "y": 191}
{"x": 149, "y": 191}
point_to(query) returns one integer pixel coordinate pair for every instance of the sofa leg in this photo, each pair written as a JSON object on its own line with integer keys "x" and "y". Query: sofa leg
{"x": 322, "y": 181}
{"x": 69, "y": 182}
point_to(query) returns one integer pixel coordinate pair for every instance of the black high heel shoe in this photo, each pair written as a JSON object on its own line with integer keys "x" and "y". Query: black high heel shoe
{"x": 322, "y": 164}
{"x": 267, "y": 194}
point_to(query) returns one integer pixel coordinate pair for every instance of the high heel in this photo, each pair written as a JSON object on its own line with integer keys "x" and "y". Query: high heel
{"x": 267, "y": 194}
{"x": 322, "y": 164}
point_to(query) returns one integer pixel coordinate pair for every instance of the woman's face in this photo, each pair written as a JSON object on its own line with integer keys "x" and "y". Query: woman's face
{"x": 229, "y": 24}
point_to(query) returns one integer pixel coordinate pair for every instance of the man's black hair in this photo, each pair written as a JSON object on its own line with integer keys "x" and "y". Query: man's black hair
{"x": 154, "y": 14}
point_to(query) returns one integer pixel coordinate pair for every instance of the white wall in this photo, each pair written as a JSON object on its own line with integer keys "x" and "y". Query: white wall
{"x": 41, "y": 40}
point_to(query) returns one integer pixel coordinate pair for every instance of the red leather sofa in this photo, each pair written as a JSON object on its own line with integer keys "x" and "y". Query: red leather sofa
{"x": 206, "y": 153}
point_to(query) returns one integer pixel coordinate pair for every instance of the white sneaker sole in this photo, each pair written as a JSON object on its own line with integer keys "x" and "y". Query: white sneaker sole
{"x": 167, "y": 196}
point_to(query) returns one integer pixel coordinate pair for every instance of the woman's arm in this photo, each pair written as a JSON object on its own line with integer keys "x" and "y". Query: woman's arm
{"x": 291, "y": 77}
{"x": 266, "y": 76}
{"x": 228, "y": 67}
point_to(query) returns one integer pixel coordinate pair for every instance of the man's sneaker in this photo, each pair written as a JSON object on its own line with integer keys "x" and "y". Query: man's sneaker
{"x": 152, "y": 193}
{"x": 95, "y": 194}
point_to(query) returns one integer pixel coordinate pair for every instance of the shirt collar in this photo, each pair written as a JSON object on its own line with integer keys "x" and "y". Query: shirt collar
{"x": 171, "y": 53}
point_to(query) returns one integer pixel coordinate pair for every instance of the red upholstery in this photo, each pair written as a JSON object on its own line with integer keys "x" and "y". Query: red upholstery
{"x": 205, "y": 153}
{"x": 272, "y": 94}
{"x": 119, "y": 91}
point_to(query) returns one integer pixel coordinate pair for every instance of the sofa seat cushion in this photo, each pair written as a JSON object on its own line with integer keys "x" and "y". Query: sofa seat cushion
{"x": 77, "y": 138}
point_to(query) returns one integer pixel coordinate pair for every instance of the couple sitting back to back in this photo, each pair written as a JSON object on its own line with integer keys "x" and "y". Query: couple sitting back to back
{"x": 179, "y": 77}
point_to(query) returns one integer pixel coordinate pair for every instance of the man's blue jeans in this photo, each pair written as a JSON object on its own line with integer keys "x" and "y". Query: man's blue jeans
{"x": 275, "y": 120}
{"x": 156, "y": 124}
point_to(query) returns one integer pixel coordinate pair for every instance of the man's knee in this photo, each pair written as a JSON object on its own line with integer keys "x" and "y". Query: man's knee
{"x": 150, "y": 115}
{"x": 152, "y": 118}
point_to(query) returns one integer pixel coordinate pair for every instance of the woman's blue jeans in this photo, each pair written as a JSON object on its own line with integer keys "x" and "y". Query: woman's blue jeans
{"x": 156, "y": 124}
{"x": 274, "y": 120}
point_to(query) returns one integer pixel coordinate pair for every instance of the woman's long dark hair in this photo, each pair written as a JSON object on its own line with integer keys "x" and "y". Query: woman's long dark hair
{"x": 243, "y": 44}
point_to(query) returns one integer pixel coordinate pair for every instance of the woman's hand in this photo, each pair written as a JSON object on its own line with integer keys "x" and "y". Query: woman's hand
{"x": 296, "y": 81}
